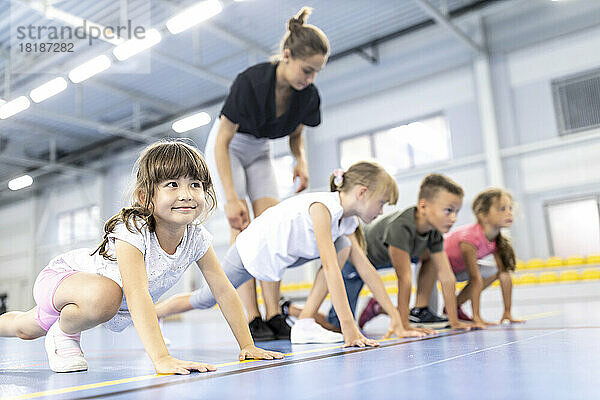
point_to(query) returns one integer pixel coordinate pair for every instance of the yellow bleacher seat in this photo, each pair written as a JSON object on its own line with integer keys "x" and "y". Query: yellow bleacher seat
{"x": 526, "y": 279}
{"x": 590, "y": 274}
{"x": 520, "y": 264}
{"x": 574, "y": 260}
{"x": 548, "y": 277}
{"x": 592, "y": 259}
{"x": 534, "y": 263}
{"x": 569, "y": 276}
{"x": 554, "y": 262}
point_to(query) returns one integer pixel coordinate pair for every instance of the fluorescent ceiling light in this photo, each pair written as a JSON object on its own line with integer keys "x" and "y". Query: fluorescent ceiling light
{"x": 191, "y": 122}
{"x": 20, "y": 182}
{"x": 48, "y": 89}
{"x": 194, "y": 15}
{"x": 89, "y": 69}
{"x": 14, "y": 106}
{"x": 135, "y": 46}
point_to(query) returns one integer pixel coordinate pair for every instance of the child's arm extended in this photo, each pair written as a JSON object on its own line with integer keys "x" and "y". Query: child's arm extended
{"x": 448, "y": 282}
{"x": 135, "y": 286}
{"x": 333, "y": 276}
{"x": 369, "y": 274}
{"x": 231, "y": 307}
{"x": 469, "y": 255}
{"x": 506, "y": 287}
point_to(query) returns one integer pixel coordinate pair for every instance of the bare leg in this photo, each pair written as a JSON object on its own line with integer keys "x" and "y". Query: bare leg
{"x": 86, "y": 300}
{"x": 20, "y": 324}
{"x": 271, "y": 294}
{"x": 425, "y": 282}
{"x": 319, "y": 290}
{"x": 465, "y": 293}
{"x": 247, "y": 292}
{"x": 174, "y": 305}
{"x": 270, "y": 290}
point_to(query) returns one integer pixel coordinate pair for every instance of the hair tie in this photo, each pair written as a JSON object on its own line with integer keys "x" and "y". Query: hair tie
{"x": 338, "y": 179}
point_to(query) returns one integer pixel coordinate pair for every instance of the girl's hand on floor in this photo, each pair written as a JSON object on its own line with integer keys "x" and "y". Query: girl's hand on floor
{"x": 396, "y": 328}
{"x": 404, "y": 333}
{"x": 357, "y": 339}
{"x": 426, "y": 331}
{"x": 461, "y": 326}
{"x": 171, "y": 365}
{"x": 510, "y": 319}
{"x": 256, "y": 353}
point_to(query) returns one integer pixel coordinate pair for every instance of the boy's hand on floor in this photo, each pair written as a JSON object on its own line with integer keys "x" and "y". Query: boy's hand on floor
{"x": 256, "y": 353}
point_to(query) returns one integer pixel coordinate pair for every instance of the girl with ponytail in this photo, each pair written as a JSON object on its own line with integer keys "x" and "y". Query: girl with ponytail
{"x": 466, "y": 245}
{"x": 145, "y": 250}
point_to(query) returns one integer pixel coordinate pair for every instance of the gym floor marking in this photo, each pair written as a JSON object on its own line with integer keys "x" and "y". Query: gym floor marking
{"x": 187, "y": 378}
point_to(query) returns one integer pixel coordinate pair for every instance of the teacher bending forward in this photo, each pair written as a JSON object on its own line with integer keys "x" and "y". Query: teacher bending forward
{"x": 267, "y": 101}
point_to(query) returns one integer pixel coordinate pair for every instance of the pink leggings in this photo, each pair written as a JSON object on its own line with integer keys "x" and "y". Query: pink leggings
{"x": 44, "y": 288}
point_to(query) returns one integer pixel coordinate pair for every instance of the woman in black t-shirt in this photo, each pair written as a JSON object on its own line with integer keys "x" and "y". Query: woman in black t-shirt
{"x": 266, "y": 101}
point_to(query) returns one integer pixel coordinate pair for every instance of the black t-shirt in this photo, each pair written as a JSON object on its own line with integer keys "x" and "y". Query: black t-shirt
{"x": 251, "y": 104}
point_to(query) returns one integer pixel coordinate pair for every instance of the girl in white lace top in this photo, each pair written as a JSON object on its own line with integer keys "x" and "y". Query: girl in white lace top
{"x": 145, "y": 250}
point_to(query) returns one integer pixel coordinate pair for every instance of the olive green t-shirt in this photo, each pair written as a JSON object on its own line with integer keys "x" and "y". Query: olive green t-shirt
{"x": 399, "y": 229}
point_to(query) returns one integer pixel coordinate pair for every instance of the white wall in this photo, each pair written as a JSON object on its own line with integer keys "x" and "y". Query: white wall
{"x": 564, "y": 168}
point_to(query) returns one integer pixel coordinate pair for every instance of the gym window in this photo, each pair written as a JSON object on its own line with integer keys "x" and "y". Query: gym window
{"x": 402, "y": 147}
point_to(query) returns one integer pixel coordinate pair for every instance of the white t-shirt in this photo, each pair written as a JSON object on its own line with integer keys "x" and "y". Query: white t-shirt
{"x": 163, "y": 269}
{"x": 284, "y": 233}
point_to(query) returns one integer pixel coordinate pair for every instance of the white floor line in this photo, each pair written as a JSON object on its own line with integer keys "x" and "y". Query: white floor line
{"x": 397, "y": 372}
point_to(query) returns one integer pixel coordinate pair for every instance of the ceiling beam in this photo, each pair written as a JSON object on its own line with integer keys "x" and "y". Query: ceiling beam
{"x": 446, "y": 23}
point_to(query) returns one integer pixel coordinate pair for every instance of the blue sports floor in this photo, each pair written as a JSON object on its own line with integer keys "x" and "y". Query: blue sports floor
{"x": 555, "y": 355}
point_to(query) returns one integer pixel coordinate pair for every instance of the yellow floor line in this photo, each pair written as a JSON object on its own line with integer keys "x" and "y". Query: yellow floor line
{"x": 227, "y": 364}
{"x": 147, "y": 377}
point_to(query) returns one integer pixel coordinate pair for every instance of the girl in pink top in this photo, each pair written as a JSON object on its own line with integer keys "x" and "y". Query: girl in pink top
{"x": 469, "y": 243}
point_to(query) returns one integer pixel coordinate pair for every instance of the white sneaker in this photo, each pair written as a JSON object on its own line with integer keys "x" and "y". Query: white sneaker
{"x": 64, "y": 351}
{"x": 306, "y": 330}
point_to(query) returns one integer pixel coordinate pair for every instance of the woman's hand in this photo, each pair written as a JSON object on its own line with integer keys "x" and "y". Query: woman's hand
{"x": 255, "y": 353}
{"x": 301, "y": 171}
{"x": 237, "y": 214}
{"x": 171, "y": 365}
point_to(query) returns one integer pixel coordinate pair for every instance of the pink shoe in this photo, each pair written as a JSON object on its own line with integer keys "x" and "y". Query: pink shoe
{"x": 463, "y": 316}
{"x": 372, "y": 310}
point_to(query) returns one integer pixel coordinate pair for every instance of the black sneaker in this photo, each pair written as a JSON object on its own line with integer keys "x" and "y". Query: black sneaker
{"x": 260, "y": 330}
{"x": 280, "y": 327}
{"x": 424, "y": 317}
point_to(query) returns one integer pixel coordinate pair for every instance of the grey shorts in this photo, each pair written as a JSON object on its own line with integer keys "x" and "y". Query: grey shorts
{"x": 251, "y": 166}
{"x": 485, "y": 270}
{"x": 237, "y": 274}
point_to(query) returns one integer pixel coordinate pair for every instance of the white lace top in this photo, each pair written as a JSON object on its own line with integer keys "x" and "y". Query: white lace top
{"x": 163, "y": 269}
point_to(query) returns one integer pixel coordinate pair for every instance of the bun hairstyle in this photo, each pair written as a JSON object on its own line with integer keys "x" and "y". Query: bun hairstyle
{"x": 303, "y": 40}
{"x": 481, "y": 206}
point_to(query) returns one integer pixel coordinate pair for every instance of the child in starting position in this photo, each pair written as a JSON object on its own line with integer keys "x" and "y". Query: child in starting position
{"x": 146, "y": 249}
{"x": 303, "y": 228}
{"x": 396, "y": 239}
{"x": 468, "y": 244}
